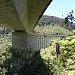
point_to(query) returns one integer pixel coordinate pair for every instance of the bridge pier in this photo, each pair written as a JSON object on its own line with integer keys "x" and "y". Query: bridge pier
{"x": 19, "y": 40}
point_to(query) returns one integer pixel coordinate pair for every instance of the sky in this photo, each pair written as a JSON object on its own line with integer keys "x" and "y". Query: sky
{"x": 60, "y": 8}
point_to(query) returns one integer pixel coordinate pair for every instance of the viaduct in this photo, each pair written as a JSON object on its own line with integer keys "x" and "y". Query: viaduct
{"x": 21, "y": 16}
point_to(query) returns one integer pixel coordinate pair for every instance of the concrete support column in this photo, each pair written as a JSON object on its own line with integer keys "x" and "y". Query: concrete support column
{"x": 19, "y": 40}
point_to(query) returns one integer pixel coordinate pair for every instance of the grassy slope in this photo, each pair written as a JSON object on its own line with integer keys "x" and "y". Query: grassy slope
{"x": 52, "y": 30}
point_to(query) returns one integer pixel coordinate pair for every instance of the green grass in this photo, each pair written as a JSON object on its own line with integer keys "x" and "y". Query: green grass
{"x": 52, "y": 30}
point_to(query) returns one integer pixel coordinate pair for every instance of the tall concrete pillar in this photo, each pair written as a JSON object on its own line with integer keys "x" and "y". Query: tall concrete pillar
{"x": 19, "y": 40}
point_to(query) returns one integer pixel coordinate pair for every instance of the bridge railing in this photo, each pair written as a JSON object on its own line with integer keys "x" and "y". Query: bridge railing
{"x": 38, "y": 42}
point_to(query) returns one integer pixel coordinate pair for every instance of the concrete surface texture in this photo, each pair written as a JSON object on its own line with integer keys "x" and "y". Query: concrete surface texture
{"x": 22, "y": 15}
{"x": 19, "y": 40}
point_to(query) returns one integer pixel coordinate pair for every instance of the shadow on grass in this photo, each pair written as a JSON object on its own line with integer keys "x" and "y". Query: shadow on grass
{"x": 20, "y": 62}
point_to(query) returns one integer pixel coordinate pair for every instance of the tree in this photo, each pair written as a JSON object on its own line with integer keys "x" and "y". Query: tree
{"x": 70, "y": 19}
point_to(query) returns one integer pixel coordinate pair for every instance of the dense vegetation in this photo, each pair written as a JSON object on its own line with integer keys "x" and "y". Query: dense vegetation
{"x": 54, "y": 21}
{"x": 43, "y": 62}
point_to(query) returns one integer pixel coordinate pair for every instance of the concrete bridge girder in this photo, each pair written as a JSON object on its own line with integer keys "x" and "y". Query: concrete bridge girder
{"x": 30, "y": 11}
{"x": 22, "y": 15}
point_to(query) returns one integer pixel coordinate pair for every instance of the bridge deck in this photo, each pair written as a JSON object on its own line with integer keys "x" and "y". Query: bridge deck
{"x": 22, "y": 15}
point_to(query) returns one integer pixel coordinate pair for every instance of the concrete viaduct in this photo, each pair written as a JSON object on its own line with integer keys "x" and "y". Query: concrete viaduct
{"x": 21, "y": 16}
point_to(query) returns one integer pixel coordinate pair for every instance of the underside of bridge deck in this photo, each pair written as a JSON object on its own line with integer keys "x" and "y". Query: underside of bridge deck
{"x": 21, "y": 16}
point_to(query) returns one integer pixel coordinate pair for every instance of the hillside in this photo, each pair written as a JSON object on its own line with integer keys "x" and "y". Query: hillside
{"x": 52, "y": 20}
{"x": 52, "y": 30}
{"x": 53, "y": 25}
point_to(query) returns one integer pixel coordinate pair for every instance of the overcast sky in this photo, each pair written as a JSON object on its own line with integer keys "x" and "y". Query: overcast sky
{"x": 60, "y": 8}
